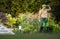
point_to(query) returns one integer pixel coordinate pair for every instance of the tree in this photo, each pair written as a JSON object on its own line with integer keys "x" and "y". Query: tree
{"x": 14, "y": 7}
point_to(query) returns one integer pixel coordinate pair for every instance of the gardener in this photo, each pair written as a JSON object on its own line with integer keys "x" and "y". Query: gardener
{"x": 44, "y": 17}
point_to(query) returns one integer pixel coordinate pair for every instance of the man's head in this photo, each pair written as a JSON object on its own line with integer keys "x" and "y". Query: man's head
{"x": 43, "y": 6}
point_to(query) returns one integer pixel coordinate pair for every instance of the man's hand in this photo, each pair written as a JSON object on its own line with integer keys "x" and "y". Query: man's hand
{"x": 49, "y": 8}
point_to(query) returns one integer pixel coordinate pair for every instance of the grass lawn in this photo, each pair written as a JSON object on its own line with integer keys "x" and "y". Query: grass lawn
{"x": 32, "y": 36}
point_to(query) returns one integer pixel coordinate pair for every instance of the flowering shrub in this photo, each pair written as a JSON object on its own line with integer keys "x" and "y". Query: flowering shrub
{"x": 10, "y": 20}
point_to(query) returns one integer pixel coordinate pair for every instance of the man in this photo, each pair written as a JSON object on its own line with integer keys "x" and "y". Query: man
{"x": 44, "y": 17}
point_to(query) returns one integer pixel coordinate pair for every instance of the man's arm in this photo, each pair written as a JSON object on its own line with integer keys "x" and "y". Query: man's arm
{"x": 39, "y": 15}
{"x": 49, "y": 8}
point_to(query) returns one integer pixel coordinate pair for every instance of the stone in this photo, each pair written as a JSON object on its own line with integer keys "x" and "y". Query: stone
{"x": 5, "y": 30}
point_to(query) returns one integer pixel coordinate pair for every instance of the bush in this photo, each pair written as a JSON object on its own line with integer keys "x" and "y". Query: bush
{"x": 56, "y": 27}
{"x": 10, "y": 20}
{"x": 15, "y": 29}
{"x": 35, "y": 30}
{"x": 28, "y": 28}
{"x": 36, "y": 23}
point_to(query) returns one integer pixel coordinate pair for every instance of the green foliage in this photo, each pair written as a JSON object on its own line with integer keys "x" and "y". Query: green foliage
{"x": 16, "y": 6}
{"x": 56, "y": 27}
{"x": 27, "y": 26}
{"x": 28, "y": 29}
{"x": 15, "y": 29}
{"x": 10, "y": 20}
{"x": 36, "y": 23}
{"x": 23, "y": 21}
{"x": 35, "y": 30}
